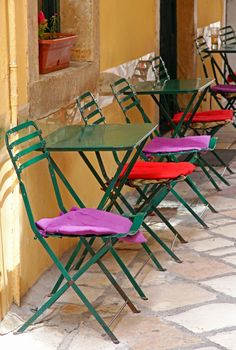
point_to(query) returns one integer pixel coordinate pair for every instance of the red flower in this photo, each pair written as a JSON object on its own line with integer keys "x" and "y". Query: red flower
{"x": 41, "y": 17}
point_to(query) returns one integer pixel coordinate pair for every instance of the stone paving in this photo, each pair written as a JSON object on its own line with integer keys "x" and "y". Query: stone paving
{"x": 191, "y": 305}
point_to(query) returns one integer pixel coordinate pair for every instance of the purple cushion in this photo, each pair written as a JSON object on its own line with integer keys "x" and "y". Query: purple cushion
{"x": 228, "y": 88}
{"x": 168, "y": 145}
{"x": 88, "y": 221}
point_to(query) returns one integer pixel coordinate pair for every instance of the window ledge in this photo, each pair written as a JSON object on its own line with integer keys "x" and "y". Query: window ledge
{"x": 74, "y": 66}
{"x": 55, "y": 90}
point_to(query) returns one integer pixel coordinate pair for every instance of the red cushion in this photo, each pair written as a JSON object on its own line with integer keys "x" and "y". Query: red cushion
{"x": 230, "y": 80}
{"x": 159, "y": 170}
{"x": 206, "y": 116}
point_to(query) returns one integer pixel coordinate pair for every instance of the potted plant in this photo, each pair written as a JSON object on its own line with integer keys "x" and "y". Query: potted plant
{"x": 54, "y": 48}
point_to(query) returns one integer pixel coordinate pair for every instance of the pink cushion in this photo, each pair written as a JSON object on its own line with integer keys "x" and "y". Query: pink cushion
{"x": 206, "y": 116}
{"x": 159, "y": 170}
{"x": 169, "y": 145}
{"x": 224, "y": 88}
{"x": 88, "y": 221}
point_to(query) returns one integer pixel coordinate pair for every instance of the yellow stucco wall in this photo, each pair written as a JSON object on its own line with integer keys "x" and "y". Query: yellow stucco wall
{"x": 209, "y": 12}
{"x": 21, "y": 45}
{"x": 4, "y": 106}
{"x": 127, "y": 30}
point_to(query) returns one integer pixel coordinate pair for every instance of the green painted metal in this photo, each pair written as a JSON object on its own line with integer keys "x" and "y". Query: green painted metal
{"x": 89, "y": 108}
{"x": 90, "y": 138}
{"x": 173, "y": 86}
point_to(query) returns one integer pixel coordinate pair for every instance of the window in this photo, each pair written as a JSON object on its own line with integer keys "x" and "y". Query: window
{"x": 50, "y": 7}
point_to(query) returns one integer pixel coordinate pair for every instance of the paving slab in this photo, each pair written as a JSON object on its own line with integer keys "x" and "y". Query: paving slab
{"x": 224, "y": 284}
{"x": 226, "y": 339}
{"x": 206, "y": 318}
{"x": 210, "y": 244}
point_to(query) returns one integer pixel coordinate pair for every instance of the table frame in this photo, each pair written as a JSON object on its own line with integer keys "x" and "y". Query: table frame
{"x": 185, "y": 87}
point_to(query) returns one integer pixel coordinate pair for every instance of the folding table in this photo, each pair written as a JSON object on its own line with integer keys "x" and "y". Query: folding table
{"x": 223, "y": 51}
{"x": 196, "y": 88}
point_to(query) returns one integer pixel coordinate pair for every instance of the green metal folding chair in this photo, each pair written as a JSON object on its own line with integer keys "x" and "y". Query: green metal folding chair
{"x": 27, "y": 148}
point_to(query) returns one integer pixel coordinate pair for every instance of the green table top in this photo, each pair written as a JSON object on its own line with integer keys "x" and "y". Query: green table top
{"x": 108, "y": 137}
{"x": 173, "y": 86}
{"x": 223, "y": 49}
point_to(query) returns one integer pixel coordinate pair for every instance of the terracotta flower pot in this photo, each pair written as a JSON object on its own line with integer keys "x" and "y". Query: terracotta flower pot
{"x": 54, "y": 54}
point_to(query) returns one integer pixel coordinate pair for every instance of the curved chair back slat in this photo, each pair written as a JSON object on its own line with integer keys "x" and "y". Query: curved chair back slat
{"x": 89, "y": 109}
{"x": 227, "y": 35}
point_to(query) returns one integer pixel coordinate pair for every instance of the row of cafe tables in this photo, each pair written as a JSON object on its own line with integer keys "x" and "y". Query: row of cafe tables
{"x": 124, "y": 137}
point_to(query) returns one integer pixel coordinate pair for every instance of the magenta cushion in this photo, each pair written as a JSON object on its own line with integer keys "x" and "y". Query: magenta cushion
{"x": 88, "y": 221}
{"x": 168, "y": 145}
{"x": 221, "y": 88}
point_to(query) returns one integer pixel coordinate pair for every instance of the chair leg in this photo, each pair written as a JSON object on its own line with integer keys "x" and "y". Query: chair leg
{"x": 67, "y": 267}
{"x": 215, "y": 171}
{"x": 185, "y": 204}
{"x": 161, "y": 243}
{"x": 71, "y": 283}
{"x": 128, "y": 274}
{"x": 163, "y": 218}
{"x": 190, "y": 182}
{"x": 112, "y": 280}
{"x": 153, "y": 258}
{"x": 153, "y": 234}
{"x": 222, "y": 162}
{"x": 210, "y": 178}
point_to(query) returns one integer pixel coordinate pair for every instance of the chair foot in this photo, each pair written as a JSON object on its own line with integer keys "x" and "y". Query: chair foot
{"x": 144, "y": 298}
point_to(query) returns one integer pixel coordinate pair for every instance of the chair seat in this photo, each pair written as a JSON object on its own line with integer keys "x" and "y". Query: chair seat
{"x": 224, "y": 88}
{"x": 159, "y": 170}
{"x": 88, "y": 222}
{"x": 181, "y": 144}
{"x": 206, "y": 116}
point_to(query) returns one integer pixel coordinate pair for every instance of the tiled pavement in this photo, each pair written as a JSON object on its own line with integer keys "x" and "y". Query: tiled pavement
{"x": 190, "y": 306}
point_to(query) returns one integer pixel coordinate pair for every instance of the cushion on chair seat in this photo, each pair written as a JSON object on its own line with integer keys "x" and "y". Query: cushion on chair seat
{"x": 224, "y": 88}
{"x": 88, "y": 222}
{"x": 159, "y": 170}
{"x": 181, "y": 144}
{"x": 206, "y": 116}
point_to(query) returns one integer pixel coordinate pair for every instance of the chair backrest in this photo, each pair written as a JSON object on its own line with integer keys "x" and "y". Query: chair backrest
{"x": 159, "y": 69}
{"x": 208, "y": 61}
{"x": 201, "y": 46}
{"x": 128, "y": 101}
{"x": 141, "y": 70}
{"x": 227, "y": 35}
{"x": 27, "y": 147}
{"x": 89, "y": 109}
